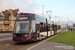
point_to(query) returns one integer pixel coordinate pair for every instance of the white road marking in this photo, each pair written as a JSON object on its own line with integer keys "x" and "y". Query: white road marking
{"x": 41, "y": 42}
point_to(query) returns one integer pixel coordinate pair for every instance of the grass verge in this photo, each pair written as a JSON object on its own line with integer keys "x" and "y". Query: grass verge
{"x": 67, "y": 37}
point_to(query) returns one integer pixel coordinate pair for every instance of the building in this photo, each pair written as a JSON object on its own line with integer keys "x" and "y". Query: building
{"x": 7, "y": 21}
{"x": 1, "y": 22}
{"x": 12, "y": 17}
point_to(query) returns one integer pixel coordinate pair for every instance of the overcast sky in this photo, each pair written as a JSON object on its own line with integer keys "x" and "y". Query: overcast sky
{"x": 63, "y": 9}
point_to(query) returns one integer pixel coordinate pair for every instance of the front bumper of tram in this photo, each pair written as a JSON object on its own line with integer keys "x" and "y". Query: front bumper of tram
{"x": 24, "y": 38}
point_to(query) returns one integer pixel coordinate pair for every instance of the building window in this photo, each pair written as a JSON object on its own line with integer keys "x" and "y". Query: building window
{"x": 15, "y": 18}
{"x": 11, "y": 22}
{"x": 1, "y": 27}
{"x": 1, "y": 17}
{"x": 1, "y": 22}
{"x": 11, "y": 17}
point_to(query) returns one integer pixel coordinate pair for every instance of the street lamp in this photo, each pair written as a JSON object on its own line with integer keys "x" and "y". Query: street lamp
{"x": 49, "y": 18}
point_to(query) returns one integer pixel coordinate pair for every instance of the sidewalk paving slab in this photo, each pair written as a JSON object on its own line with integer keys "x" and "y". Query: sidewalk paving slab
{"x": 51, "y": 46}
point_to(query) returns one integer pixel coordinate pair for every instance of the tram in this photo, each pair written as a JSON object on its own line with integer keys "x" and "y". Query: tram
{"x": 31, "y": 27}
{"x": 58, "y": 28}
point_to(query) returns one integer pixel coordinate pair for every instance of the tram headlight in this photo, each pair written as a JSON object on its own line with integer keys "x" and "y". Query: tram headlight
{"x": 25, "y": 35}
{"x": 14, "y": 35}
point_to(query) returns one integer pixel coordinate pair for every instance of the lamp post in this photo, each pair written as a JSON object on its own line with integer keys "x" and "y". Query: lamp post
{"x": 49, "y": 15}
{"x": 50, "y": 19}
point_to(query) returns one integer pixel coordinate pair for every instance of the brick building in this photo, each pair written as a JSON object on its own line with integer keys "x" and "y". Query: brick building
{"x": 7, "y": 21}
{"x": 1, "y": 22}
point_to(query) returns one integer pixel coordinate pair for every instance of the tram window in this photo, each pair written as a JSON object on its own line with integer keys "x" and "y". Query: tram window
{"x": 42, "y": 27}
{"x": 48, "y": 27}
{"x": 21, "y": 27}
{"x": 52, "y": 27}
{"x": 37, "y": 28}
{"x": 33, "y": 26}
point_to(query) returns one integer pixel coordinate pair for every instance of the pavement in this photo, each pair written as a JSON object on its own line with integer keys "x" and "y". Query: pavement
{"x": 52, "y": 46}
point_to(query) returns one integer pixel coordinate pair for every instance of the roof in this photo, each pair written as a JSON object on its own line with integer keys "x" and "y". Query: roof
{"x": 8, "y": 12}
{"x": 4, "y": 12}
{"x": 27, "y": 14}
{"x": 15, "y": 11}
{"x": 1, "y": 15}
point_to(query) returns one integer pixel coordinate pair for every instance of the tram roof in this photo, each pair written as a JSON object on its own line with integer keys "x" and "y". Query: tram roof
{"x": 32, "y": 14}
{"x": 28, "y": 14}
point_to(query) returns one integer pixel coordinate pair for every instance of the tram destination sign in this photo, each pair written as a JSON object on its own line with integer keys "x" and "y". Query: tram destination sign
{"x": 23, "y": 18}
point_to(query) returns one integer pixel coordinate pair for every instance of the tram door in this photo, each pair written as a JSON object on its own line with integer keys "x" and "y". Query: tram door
{"x": 38, "y": 29}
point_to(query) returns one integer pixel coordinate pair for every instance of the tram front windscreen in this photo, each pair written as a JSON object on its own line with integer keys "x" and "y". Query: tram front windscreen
{"x": 21, "y": 27}
{"x": 24, "y": 24}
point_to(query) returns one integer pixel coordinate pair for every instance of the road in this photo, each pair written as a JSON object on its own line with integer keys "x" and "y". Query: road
{"x": 6, "y": 42}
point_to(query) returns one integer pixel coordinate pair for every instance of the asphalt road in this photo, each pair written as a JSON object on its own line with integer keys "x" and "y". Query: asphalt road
{"x": 6, "y": 43}
{"x": 5, "y": 35}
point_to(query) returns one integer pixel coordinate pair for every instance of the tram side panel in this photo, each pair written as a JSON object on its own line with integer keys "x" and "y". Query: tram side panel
{"x": 55, "y": 29}
{"x": 59, "y": 28}
{"x": 42, "y": 31}
{"x": 52, "y": 26}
